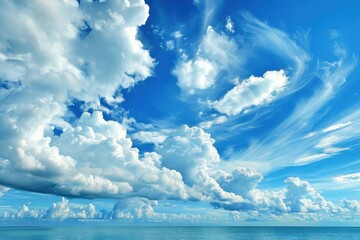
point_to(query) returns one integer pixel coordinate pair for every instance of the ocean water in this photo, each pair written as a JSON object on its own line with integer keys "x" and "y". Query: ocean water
{"x": 177, "y": 233}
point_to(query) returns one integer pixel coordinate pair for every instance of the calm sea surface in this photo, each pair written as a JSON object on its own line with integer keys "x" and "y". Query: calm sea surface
{"x": 175, "y": 233}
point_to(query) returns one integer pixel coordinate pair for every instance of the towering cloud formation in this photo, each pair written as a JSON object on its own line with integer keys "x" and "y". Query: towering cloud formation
{"x": 189, "y": 151}
{"x": 51, "y": 55}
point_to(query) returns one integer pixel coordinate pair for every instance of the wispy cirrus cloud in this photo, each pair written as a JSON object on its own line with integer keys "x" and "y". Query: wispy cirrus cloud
{"x": 335, "y": 127}
{"x": 348, "y": 178}
{"x": 297, "y": 128}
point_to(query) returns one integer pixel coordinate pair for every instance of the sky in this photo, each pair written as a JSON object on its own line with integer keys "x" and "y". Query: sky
{"x": 179, "y": 112}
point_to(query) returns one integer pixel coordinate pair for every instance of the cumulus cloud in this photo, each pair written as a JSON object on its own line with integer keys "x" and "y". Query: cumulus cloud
{"x": 215, "y": 53}
{"x": 240, "y": 181}
{"x": 235, "y": 191}
{"x": 121, "y": 171}
{"x": 62, "y": 210}
{"x": 298, "y": 196}
{"x": 297, "y": 202}
{"x": 59, "y": 210}
{"x": 197, "y": 165}
{"x": 121, "y": 60}
{"x": 188, "y": 151}
{"x": 125, "y": 210}
{"x": 301, "y": 197}
{"x": 251, "y": 92}
{"x": 196, "y": 74}
{"x": 24, "y": 212}
{"x": 134, "y": 209}
{"x": 53, "y": 54}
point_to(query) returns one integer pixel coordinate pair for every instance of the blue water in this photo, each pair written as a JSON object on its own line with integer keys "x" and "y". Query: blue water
{"x": 177, "y": 233}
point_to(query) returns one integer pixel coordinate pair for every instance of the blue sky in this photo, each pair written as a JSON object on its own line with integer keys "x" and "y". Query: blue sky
{"x": 179, "y": 112}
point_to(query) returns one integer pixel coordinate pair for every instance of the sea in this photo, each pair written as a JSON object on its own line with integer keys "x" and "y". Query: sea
{"x": 177, "y": 233}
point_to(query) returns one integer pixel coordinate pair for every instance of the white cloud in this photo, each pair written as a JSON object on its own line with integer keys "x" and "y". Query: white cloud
{"x": 329, "y": 141}
{"x": 88, "y": 211}
{"x": 125, "y": 210}
{"x": 57, "y": 52}
{"x": 59, "y": 210}
{"x": 229, "y": 25}
{"x": 215, "y": 121}
{"x": 51, "y": 54}
{"x": 302, "y": 120}
{"x": 332, "y": 135}
{"x": 196, "y": 74}
{"x": 281, "y": 44}
{"x": 92, "y": 159}
{"x": 213, "y": 192}
{"x": 311, "y": 158}
{"x": 121, "y": 171}
{"x": 298, "y": 197}
{"x": 335, "y": 127}
{"x": 333, "y": 150}
{"x": 252, "y": 92}
{"x": 298, "y": 201}
{"x": 177, "y": 34}
{"x": 352, "y": 205}
{"x": 269, "y": 201}
{"x": 122, "y": 60}
{"x": 240, "y": 181}
{"x": 133, "y": 209}
{"x": 338, "y": 137}
{"x": 348, "y": 178}
{"x": 309, "y": 135}
{"x": 63, "y": 210}
{"x": 301, "y": 197}
{"x": 188, "y": 151}
{"x": 215, "y": 53}
{"x": 149, "y": 137}
{"x": 220, "y": 49}
{"x": 144, "y": 210}
{"x": 25, "y": 212}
